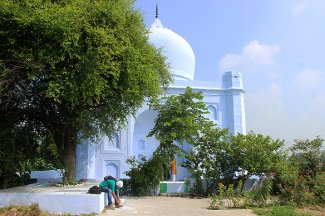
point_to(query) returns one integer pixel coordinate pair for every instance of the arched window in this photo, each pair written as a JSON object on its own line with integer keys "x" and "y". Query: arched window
{"x": 112, "y": 169}
{"x": 212, "y": 112}
{"x": 112, "y": 143}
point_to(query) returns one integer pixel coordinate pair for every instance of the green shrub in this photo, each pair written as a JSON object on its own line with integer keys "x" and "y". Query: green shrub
{"x": 198, "y": 189}
{"x": 259, "y": 195}
{"x": 144, "y": 175}
{"x": 229, "y": 194}
{"x": 319, "y": 187}
{"x": 126, "y": 189}
{"x": 215, "y": 202}
{"x": 302, "y": 181}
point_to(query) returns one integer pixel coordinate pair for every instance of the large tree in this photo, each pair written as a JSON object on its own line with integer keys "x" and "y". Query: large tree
{"x": 73, "y": 68}
{"x": 221, "y": 156}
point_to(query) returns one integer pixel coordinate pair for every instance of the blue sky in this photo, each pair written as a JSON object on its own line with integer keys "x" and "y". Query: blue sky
{"x": 278, "y": 46}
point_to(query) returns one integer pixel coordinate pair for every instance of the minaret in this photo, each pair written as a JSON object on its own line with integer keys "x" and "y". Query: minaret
{"x": 234, "y": 100}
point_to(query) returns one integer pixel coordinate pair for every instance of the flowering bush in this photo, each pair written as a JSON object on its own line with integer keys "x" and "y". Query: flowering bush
{"x": 319, "y": 187}
{"x": 301, "y": 181}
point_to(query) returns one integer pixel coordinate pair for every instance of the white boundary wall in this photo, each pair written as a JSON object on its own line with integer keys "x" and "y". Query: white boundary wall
{"x": 55, "y": 199}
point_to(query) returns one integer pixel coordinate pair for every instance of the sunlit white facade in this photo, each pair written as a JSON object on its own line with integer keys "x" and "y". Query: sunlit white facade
{"x": 224, "y": 100}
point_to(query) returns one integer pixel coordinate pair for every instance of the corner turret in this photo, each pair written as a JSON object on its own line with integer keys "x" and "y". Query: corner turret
{"x": 232, "y": 80}
{"x": 234, "y": 101}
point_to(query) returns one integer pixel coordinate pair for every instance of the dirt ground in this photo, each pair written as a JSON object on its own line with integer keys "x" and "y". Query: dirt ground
{"x": 169, "y": 206}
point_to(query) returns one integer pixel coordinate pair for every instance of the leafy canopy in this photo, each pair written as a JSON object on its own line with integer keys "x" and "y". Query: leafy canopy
{"x": 75, "y": 66}
{"x": 181, "y": 118}
{"x": 92, "y": 57}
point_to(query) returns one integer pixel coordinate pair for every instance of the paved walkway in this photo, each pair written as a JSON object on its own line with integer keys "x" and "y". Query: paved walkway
{"x": 169, "y": 206}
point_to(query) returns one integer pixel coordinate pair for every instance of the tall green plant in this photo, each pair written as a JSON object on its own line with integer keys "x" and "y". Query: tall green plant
{"x": 180, "y": 120}
{"x": 75, "y": 66}
{"x": 206, "y": 158}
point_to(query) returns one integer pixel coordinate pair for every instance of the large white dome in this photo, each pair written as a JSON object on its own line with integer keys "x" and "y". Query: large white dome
{"x": 177, "y": 50}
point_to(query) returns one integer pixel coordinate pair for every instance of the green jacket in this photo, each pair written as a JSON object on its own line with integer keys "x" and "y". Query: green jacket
{"x": 111, "y": 184}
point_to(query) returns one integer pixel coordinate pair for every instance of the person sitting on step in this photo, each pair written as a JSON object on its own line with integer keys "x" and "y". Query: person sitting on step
{"x": 112, "y": 187}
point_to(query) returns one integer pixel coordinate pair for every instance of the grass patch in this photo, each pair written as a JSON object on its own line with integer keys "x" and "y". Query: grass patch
{"x": 31, "y": 210}
{"x": 314, "y": 210}
{"x": 279, "y": 211}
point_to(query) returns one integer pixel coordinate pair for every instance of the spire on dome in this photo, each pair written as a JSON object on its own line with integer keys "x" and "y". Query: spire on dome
{"x": 157, "y": 23}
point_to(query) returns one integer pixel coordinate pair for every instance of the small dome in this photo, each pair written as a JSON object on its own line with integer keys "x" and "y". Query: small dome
{"x": 177, "y": 50}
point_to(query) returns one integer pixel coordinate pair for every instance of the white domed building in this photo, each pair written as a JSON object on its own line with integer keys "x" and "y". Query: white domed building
{"x": 178, "y": 51}
{"x": 225, "y": 102}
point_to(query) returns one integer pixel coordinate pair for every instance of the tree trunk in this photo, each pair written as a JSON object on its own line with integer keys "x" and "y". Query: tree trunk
{"x": 69, "y": 152}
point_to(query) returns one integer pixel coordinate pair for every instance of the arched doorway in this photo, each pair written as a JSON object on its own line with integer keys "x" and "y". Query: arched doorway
{"x": 143, "y": 145}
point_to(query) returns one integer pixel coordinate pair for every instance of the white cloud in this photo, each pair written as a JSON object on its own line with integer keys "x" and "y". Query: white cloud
{"x": 285, "y": 109}
{"x": 299, "y": 8}
{"x": 274, "y": 90}
{"x": 308, "y": 8}
{"x": 313, "y": 118}
{"x": 253, "y": 55}
{"x": 309, "y": 79}
{"x": 265, "y": 109}
{"x": 310, "y": 103}
{"x": 268, "y": 98}
{"x": 269, "y": 112}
